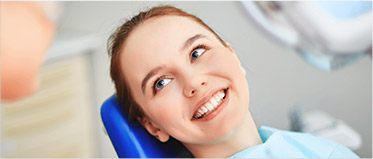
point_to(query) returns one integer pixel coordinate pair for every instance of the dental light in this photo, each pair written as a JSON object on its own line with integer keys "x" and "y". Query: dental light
{"x": 326, "y": 34}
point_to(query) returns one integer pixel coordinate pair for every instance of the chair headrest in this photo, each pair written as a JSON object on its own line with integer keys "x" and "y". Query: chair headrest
{"x": 131, "y": 140}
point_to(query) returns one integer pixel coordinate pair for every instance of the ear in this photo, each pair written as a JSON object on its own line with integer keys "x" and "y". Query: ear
{"x": 154, "y": 130}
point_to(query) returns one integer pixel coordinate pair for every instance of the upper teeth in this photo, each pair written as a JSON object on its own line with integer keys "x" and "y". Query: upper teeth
{"x": 210, "y": 105}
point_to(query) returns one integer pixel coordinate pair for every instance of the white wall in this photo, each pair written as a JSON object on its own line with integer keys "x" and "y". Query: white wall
{"x": 278, "y": 78}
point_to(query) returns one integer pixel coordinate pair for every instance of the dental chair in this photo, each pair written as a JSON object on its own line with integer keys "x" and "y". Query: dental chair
{"x": 131, "y": 140}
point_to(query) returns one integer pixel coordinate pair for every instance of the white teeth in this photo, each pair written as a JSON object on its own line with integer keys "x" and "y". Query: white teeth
{"x": 213, "y": 101}
{"x": 204, "y": 109}
{"x": 221, "y": 94}
{"x": 210, "y": 105}
{"x": 217, "y": 98}
{"x": 199, "y": 114}
{"x": 200, "y": 111}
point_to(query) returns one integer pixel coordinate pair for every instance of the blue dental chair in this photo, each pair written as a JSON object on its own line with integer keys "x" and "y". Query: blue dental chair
{"x": 131, "y": 140}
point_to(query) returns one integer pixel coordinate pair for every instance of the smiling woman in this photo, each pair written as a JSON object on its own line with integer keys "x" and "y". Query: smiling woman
{"x": 179, "y": 79}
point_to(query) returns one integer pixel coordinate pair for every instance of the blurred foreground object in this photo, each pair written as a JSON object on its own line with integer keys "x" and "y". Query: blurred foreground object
{"x": 58, "y": 119}
{"x": 26, "y": 31}
{"x": 326, "y": 34}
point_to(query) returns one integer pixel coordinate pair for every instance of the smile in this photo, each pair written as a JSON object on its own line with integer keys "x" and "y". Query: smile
{"x": 211, "y": 106}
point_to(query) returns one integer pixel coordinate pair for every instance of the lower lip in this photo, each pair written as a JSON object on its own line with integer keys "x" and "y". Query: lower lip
{"x": 215, "y": 112}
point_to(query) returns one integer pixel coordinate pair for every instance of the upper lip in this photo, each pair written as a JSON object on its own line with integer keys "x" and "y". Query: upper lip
{"x": 206, "y": 98}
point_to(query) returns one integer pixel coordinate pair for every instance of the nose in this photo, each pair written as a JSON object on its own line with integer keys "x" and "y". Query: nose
{"x": 194, "y": 87}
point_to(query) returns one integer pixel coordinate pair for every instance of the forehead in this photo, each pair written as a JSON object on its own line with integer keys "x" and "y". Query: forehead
{"x": 155, "y": 38}
{"x": 153, "y": 34}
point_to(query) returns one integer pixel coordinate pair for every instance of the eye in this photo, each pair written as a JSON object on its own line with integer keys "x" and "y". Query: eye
{"x": 197, "y": 52}
{"x": 161, "y": 83}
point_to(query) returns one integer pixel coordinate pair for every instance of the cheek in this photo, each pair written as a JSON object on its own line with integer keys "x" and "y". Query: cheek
{"x": 169, "y": 109}
{"x": 227, "y": 65}
{"x": 224, "y": 62}
{"x": 171, "y": 113}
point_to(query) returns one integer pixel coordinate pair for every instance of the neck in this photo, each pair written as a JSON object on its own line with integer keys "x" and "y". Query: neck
{"x": 246, "y": 136}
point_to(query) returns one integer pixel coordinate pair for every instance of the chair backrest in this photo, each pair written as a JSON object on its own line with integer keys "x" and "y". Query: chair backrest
{"x": 131, "y": 140}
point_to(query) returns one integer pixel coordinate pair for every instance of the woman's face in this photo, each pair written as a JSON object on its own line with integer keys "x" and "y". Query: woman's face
{"x": 188, "y": 83}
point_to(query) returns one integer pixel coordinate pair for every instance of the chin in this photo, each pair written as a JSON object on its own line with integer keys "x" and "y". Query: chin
{"x": 226, "y": 129}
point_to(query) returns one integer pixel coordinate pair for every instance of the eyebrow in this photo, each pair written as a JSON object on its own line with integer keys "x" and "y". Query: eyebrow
{"x": 154, "y": 71}
{"x": 148, "y": 76}
{"x": 190, "y": 41}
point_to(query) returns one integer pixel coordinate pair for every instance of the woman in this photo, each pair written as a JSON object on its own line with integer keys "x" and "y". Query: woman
{"x": 178, "y": 78}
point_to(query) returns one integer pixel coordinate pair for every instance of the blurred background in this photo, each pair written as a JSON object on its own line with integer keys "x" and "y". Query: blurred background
{"x": 62, "y": 119}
